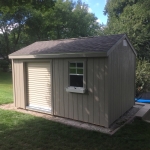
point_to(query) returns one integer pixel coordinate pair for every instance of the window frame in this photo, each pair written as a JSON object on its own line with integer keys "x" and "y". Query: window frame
{"x": 76, "y": 74}
{"x": 73, "y": 88}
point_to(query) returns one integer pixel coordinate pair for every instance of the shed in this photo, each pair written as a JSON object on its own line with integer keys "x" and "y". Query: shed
{"x": 86, "y": 79}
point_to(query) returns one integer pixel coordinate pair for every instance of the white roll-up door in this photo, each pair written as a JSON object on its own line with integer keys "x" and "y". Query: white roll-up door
{"x": 39, "y": 86}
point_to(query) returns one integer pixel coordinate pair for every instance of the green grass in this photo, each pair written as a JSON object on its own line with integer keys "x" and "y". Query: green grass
{"x": 6, "y": 91}
{"x": 26, "y": 132}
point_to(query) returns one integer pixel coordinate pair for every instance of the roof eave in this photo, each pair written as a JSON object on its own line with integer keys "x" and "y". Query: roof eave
{"x": 60, "y": 55}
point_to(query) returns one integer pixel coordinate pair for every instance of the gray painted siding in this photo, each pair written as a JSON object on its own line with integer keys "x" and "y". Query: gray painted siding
{"x": 121, "y": 81}
{"x": 19, "y": 87}
{"x": 89, "y": 107}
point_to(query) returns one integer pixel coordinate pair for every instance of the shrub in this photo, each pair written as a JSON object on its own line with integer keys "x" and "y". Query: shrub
{"x": 142, "y": 76}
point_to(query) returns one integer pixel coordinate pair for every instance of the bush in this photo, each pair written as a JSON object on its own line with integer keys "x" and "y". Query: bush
{"x": 142, "y": 76}
{"x": 4, "y": 65}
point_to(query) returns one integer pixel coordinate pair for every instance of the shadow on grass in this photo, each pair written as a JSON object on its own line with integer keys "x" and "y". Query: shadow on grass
{"x": 22, "y": 131}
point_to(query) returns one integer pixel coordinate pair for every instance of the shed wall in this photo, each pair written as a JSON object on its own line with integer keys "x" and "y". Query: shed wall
{"x": 121, "y": 81}
{"x": 19, "y": 84}
{"x": 90, "y": 107}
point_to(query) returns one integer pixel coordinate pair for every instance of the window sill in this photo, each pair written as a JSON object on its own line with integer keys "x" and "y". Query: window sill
{"x": 75, "y": 89}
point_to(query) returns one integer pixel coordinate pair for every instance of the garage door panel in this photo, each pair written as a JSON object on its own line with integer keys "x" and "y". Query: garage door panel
{"x": 41, "y": 73}
{"x": 42, "y": 96}
{"x": 41, "y": 81}
{"x": 42, "y": 78}
{"x": 41, "y": 104}
{"x": 38, "y": 91}
{"x": 39, "y": 85}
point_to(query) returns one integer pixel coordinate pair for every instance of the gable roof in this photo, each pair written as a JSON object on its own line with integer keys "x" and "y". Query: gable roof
{"x": 100, "y": 44}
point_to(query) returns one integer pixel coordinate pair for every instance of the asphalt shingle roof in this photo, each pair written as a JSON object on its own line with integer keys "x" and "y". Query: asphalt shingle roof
{"x": 79, "y": 45}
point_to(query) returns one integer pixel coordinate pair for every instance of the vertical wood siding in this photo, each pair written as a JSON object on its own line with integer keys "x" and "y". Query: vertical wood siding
{"x": 19, "y": 82}
{"x": 121, "y": 81}
{"x": 89, "y": 107}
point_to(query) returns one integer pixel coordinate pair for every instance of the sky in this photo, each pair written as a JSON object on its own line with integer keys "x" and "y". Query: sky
{"x": 97, "y": 7}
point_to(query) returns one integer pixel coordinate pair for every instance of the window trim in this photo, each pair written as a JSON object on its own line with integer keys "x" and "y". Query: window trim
{"x": 76, "y": 74}
{"x": 77, "y": 89}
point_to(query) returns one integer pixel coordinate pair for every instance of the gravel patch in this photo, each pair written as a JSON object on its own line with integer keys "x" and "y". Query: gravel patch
{"x": 126, "y": 118}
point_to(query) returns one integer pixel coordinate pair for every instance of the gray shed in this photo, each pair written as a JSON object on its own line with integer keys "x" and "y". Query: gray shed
{"x": 86, "y": 79}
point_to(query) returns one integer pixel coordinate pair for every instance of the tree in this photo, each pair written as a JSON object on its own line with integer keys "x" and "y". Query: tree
{"x": 65, "y": 19}
{"x": 133, "y": 18}
{"x": 13, "y": 18}
{"x": 11, "y": 25}
{"x": 24, "y": 22}
{"x": 83, "y": 23}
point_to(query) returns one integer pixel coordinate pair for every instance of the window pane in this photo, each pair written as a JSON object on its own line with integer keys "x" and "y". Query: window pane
{"x": 73, "y": 71}
{"x": 79, "y": 71}
{"x": 79, "y": 64}
{"x": 72, "y": 64}
{"x": 76, "y": 80}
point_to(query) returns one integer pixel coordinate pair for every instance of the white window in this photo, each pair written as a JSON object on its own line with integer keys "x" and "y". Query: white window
{"x": 76, "y": 74}
{"x": 76, "y": 77}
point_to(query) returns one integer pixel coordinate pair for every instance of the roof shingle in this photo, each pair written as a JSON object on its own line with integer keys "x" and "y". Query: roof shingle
{"x": 79, "y": 45}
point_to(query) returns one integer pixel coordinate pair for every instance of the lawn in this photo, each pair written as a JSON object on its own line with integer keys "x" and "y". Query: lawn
{"x": 6, "y": 92}
{"x": 26, "y": 132}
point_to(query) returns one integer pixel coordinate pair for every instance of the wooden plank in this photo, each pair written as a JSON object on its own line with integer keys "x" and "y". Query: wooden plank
{"x": 85, "y": 108}
{"x": 108, "y": 89}
{"x": 80, "y": 107}
{"x": 25, "y": 84}
{"x": 57, "y": 108}
{"x": 101, "y": 93}
{"x": 66, "y": 102}
{"x": 126, "y": 76}
{"x": 54, "y": 88}
{"x": 90, "y": 80}
{"x": 112, "y": 89}
{"x": 107, "y": 98}
{"x": 85, "y": 96}
{"x": 75, "y": 106}
{"x": 61, "y": 88}
{"x": 96, "y": 92}
{"x": 117, "y": 80}
{"x": 13, "y": 81}
{"x": 118, "y": 99}
{"x": 17, "y": 84}
{"x": 71, "y": 106}
{"x": 22, "y": 80}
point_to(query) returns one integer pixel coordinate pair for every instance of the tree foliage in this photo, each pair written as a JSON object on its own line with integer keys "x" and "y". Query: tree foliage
{"x": 142, "y": 76}
{"x": 65, "y": 20}
{"x": 133, "y": 18}
{"x": 13, "y": 18}
{"x": 24, "y": 22}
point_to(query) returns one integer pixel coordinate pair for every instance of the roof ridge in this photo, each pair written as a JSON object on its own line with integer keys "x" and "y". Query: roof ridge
{"x": 82, "y": 37}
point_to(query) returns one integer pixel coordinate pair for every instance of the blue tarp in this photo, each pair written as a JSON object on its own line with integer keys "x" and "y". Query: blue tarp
{"x": 142, "y": 100}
